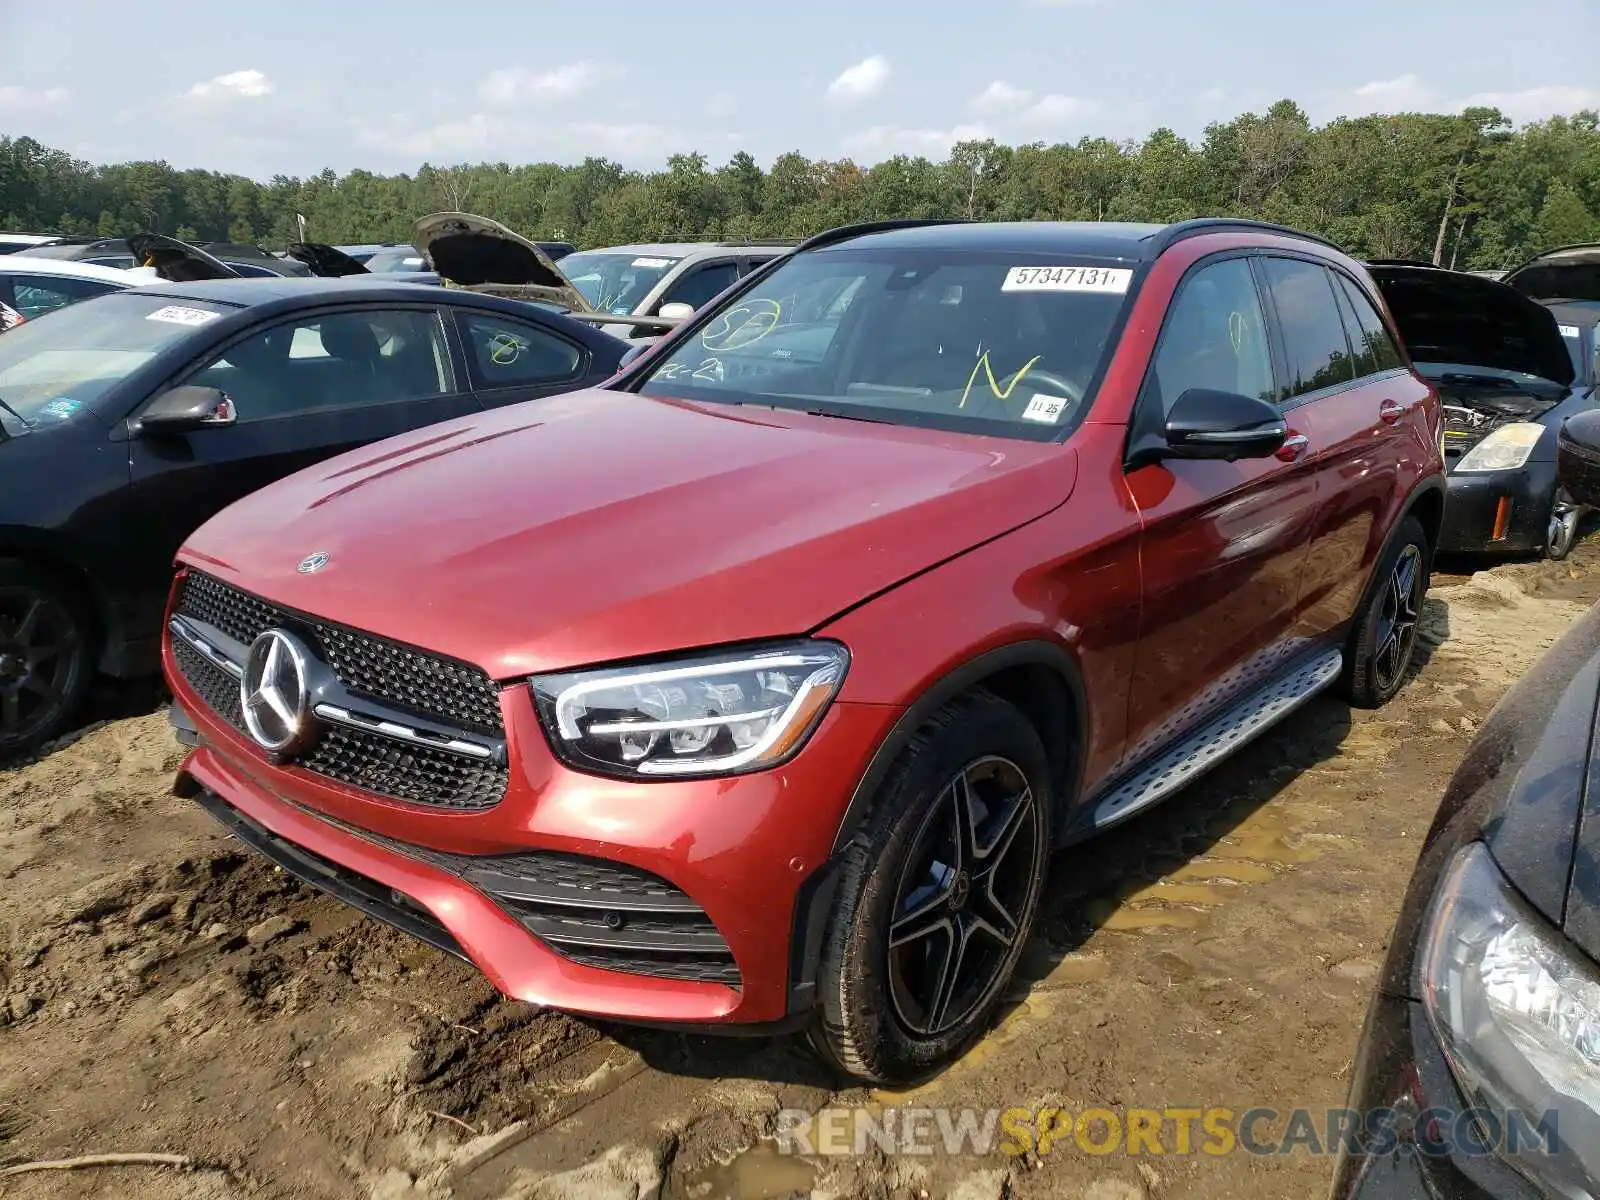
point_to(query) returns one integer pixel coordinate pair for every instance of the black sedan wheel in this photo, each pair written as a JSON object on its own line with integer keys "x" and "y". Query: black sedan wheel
{"x": 44, "y": 658}
{"x": 937, "y": 895}
{"x": 1561, "y": 535}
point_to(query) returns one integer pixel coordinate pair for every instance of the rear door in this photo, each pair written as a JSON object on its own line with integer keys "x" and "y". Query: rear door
{"x": 304, "y": 390}
{"x": 511, "y": 360}
{"x": 1224, "y": 544}
{"x": 1358, "y": 404}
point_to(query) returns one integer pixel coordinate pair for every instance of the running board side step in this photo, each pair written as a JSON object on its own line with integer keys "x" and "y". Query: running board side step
{"x": 1174, "y": 769}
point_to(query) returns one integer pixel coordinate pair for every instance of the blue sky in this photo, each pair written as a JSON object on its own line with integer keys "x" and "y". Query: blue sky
{"x": 293, "y": 86}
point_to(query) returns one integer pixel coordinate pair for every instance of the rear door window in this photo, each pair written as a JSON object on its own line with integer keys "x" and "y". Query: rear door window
{"x": 1374, "y": 349}
{"x": 35, "y": 295}
{"x": 1318, "y": 356}
{"x": 504, "y": 352}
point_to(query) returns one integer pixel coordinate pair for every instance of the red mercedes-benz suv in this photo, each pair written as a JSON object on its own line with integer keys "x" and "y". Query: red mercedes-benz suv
{"x": 754, "y": 688}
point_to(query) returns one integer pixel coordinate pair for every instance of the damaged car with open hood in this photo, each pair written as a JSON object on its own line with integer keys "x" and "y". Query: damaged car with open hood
{"x": 1508, "y": 379}
{"x": 637, "y": 292}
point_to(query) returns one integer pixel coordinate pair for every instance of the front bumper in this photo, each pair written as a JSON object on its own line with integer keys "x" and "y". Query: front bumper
{"x": 1400, "y": 1070}
{"x": 1473, "y": 506}
{"x": 751, "y": 853}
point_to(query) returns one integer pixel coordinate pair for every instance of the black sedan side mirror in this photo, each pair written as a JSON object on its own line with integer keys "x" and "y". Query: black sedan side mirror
{"x": 185, "y": 409}
{"x": 1219, "y": 425}
{"x": 1578, "y": 457}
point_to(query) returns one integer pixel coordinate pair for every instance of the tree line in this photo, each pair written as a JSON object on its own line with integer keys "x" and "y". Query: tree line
{"x": 1466, "y": 190}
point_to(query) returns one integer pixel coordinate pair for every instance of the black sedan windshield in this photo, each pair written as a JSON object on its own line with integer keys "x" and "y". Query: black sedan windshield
{"x": 54, "y": 367}
{"x": 1008, "y": 345}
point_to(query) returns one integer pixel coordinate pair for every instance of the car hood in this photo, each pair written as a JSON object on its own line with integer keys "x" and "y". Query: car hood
{"x": 1570, "y": 273}
{"x": 177, "y": 261}
{"x": 1454, "y": 317}
{"x": 325, "y": 260}
{"x": 601, "y": 526}
{"x": 476, "y": 252}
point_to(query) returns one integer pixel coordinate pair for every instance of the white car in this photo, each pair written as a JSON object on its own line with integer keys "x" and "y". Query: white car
{"x": 31, "y": 287}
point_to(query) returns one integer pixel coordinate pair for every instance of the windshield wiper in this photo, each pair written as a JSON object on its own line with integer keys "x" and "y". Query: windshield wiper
{"x": 827, "y": 412}
{"x": 4, "y": 407}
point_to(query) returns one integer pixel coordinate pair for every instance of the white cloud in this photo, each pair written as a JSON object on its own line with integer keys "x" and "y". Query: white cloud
{"x": 1404, "y": 93}
{"x": 861, "y": 82}
{"x": 999, "y": 97}
{"x": 14, "y": 99}
{"x": 1535, "y": 104}
{"x": 248, "y": 83}
{"x": 477, "y": 136}
{"x": 519, "y": 85}
{"x": 883, "y": 141}
{"x": 1409, "y": 93}
{"x": 1056, "y": 110}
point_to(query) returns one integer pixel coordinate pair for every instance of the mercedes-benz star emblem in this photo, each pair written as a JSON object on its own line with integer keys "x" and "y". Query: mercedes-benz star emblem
{"x": 275, "y": 695}
{"x": 312, "y": 563}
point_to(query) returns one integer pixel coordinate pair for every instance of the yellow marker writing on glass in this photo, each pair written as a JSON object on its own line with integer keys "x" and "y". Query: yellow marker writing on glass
{"x": 994, "y": 384}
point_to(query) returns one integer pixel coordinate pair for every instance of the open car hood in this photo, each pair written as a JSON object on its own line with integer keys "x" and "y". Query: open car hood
{"x": 327, "y": 261}
{"x": 1570, "y": 273}
{"x": 1454, "y": 317}
{"x": 175, "y": 261}
{"x": 475, "y": 252}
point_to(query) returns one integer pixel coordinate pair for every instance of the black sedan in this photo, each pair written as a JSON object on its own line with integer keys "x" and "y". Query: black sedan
{"x": 1479, "y": 1068}
{"x": 1508, "y": 381}
{"x": 128, "y": 420}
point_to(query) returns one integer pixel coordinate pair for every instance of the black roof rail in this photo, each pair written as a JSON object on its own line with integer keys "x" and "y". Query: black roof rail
{"x": 1403, "y": 262}
{"x": 843, "y": 233}
{"x": 1186, "y": 229}
{"x": 760, "y": 242}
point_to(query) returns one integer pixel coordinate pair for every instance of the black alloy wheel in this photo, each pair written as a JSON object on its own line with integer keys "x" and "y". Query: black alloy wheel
{"x": 43, "y": 659}
{"x": 1397, "y": 620}
{"x": 967, "y": 882}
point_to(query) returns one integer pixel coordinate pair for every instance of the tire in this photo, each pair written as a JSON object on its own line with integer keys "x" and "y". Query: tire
{"x": 1383, "y": 637}
{"x": 1561, "y": 530}
{"x": 46, "y": 657}
{"x": 879, "y": 1020}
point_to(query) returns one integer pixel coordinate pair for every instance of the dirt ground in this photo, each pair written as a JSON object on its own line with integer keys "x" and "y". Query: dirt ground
{"x": 161, "y": 990}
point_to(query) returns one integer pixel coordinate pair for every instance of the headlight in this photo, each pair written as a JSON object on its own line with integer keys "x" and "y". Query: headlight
{"x": 1517, "y": 1011}
{"x": 1506, "y": 449}
{"x": 715, "y": 714}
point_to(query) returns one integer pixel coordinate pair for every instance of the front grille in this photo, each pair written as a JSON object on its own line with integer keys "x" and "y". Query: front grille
{"x": 417, "y": 681}
{"x": 419, "y": 774}
{"x": 215, "y": 686}
{"x": 383, "y": 671}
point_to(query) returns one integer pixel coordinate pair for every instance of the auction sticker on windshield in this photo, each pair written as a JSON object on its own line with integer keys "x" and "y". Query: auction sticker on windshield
{"x": 1067, "y": 279}
{"x": 652, "y": 262}
{"x": 176, "y": 314}
{"x": 1044, "y": 408}
{"x": 1570, "y": 331}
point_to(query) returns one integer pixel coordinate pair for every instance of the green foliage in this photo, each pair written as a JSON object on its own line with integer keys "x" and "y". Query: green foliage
{"x": 1463, "y": 189}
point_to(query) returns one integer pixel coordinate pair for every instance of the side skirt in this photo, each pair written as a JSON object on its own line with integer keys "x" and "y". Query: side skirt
{"x": 1174, "y": 768}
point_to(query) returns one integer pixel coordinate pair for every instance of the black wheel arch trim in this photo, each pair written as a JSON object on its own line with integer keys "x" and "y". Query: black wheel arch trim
{"x": 968, "y": 675}
{"x": 814, "y": 901}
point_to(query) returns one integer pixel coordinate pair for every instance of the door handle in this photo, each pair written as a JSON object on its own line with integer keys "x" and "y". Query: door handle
{"x": 1389, "y": 412}
{"x": 1293, "y": 447}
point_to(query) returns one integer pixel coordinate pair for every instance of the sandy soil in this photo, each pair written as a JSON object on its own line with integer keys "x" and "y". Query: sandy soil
{"x": 163, "y": 991}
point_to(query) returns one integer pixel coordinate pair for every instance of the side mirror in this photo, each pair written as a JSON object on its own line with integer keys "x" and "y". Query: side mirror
{"x": 676, "y": 311}
{"x": 1220, "y": 425}
{"x": 185, "y": 409}
{"x": 1578, "y": 457}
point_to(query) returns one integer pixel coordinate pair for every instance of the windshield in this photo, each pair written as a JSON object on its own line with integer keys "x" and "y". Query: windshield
{"x": 396, "y": 258}
{"x": 613, "y": 282}
{"x": 53, "y": 368}
{"x": 1010, "y": 345}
